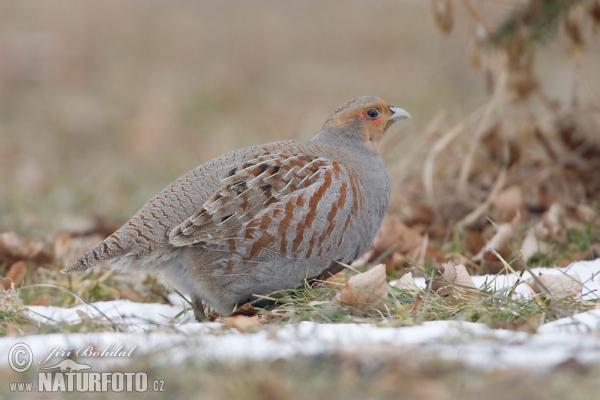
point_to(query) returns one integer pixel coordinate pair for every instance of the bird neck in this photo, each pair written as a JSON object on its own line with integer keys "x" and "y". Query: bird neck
{"x": 351, "y": 140}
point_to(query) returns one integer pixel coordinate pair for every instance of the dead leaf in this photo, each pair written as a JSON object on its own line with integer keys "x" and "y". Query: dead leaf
{"x": 364, "y": 259}
{"x": 458, "y": 275}
{"x": 13, "y": 249}
{"x": 553, "y": 219}
{"x": 521, "y": 324}
{"x": 420, "y": 214}
{"x": 436, "y": 256}
{"x": 39, "y": 302}
{"x": 243, "y": 323}
{"x": 406, "y": 282}
{"x": 365, "y": 290}
{"x": 68, "y": 247}
{"x": 585, "y": 213}
{"x": 505, "y": 232}
{"x": 246, "y": 310}
{"x": 494, "y": 265}
{"x": 83, "y": 316}
{"x": 416, "y": 306}
{"x": 455, "y": 276}
{"x": 474, "y": 242}
{"x": 556, "y": 286}
{"x": 14, "y": 276}
{"x": 395, "y": 262}
{"x": 508, "y": 203}
{"x": 553, "y": 225}
{"x": 394, "y": 234}
{"x": 534, "y": 243}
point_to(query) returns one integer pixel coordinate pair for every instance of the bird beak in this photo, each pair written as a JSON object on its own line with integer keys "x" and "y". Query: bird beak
{"x": 398, "y": 114}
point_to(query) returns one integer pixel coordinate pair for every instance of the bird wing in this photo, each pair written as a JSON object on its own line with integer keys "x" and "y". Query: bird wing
{"x": 292, "y": 204}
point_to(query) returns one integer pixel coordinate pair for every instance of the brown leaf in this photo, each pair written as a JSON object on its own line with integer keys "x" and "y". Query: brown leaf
{"x": 14, "y": 276}
{"x": 454, "y": 277}
{"x": 394, "y": 234}
{"x": 553, "y": 220}
{"x": 420, "y": 214}
{"x": 396, "y": 262}
{"x": 69, "y": 248}
{"x": 505, "y": 231}
{"x": 364, "y": 290}
{"x": 508, "y": 203}
{"x": 406, "y": 282}
{"x": 553, "y": 225}
{"x": 521, "y": 324}
{"x": 474, "y": 242}
{"x": 39, "y": 302}
{"x": 534, "y": 243}
{"x": 556, "y": 286}
{"x": 243, "y": 323}
{"x": 436, "y": 256}
{"x": 416, "y": 306}
{"x": 494, "y": 265}
{"x": 458, "y": 275}
{"x": 83, "y": 316}
{"x": 246, "y": 310}
{"x": 13, "y": 249}
{"x": 364, "y": 259}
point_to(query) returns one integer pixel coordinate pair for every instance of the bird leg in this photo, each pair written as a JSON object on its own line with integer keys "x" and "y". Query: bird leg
{"x": 199, "y": 309}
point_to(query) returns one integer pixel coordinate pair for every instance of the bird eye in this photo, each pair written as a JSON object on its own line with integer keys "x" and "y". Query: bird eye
{"x": 373, "y": 113}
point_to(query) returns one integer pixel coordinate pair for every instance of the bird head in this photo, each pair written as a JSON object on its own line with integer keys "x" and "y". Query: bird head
{"x": 366, "y": 118}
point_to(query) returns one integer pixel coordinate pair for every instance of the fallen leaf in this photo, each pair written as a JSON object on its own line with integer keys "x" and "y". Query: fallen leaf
{"x": 14, "y": 276}
{"x": 556, "y": 286}
{"x": 243, "y": 323}
{"x": 83, "y": 316}
{"x": 39, "y": 302}
{"x": 367, "y": 289}
{"x": 416, "y": 306}
{"x": 508, "y": 203}
{"x": 68, "y": 248}
{"x": 494, "y": 265}
{"x": 363, "y": 260}
{"x": 394, "y": 234}
{"x": 458, "y": 275}
{"x": 453, "y": 276}
{"x": 505, "y": 231}
{"x": 246, "y": 310}
{"x": 474, "y": 242}
{"x": 406, "y": 282}
{"x": 553, "y": 225}
{"x": 553, "y": 219}
{"x": 13, "y": 249}
{"x": 585, "y": 213}
{"x": 395, "y": 262}
{"x": 436, "y": 256}
{"x": 420, "y": 214}
{"x": 534, "y": 243}
{"x": 521, "y": 324}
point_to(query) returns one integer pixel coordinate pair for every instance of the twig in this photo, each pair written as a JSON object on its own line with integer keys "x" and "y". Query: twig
{"x": 493, "y": 104}
{"x": 498, "y": 185}
{"x": 437, "y": 148}
{"x": 475, "y": 15}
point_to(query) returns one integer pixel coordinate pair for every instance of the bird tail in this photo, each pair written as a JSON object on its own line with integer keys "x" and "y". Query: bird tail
{"x": 87, "y": 261}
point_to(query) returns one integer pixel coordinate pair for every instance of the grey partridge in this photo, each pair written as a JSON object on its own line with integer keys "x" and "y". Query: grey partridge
{"x": 263, "y": 218}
